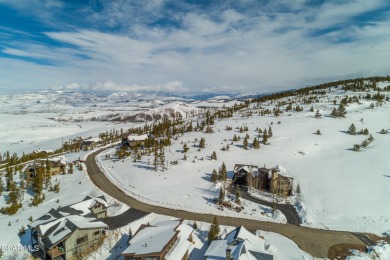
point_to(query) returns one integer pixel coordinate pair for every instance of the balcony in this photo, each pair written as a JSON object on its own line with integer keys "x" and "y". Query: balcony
{"x": 56, "y": 251}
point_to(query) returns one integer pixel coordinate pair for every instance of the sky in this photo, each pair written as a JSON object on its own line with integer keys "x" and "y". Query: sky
{"x": 218, "y": 46}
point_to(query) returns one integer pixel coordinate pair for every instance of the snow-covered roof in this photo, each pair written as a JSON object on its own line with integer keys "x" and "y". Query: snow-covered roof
{"x": 58, "y": 223}
{"x": 216, "y": 250}
{"x": 86, "y": 205}
{"x": 252, "y": 242}
{"x": 137, "y": 137}
{"x": 56, "y": 230}
{"x": 182, "y": 244}
{"x": 93, "y": 139}
{"x": 153, "y": 239}
{"x": 243, "y": 245}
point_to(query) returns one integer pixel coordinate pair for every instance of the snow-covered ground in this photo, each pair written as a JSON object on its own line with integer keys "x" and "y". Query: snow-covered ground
{"x": 178, "y": 188}
{"x": 380, "y": 251}
{"x": 341, "y": 189}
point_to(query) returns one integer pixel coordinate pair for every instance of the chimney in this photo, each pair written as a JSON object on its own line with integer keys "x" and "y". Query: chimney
{"x": 228, "y": 254}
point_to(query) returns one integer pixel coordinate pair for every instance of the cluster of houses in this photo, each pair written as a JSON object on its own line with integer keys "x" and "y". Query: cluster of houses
{"x": 74, "y": 231}
{"x": 274, "y": 180}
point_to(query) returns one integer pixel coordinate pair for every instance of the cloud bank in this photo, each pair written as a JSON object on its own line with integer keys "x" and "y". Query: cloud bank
{"x": 223, "y": 46}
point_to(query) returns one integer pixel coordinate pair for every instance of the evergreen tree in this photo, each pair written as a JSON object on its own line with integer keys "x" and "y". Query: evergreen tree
{"x": 298, "y": 189}
{"x": 269, "y": 132}
{"x": 185, "y": 148}
{"x": 235, "y": 139}
{"x": 221, "y": 197}
{"x": 256, "y": 143}
{"x": 47, "y": 166}
{"x": 245, "y": 144}
{"x": 317, "y": 115}
{"x": 214, "y": 176}
{"x": 155, "y": 159}
{"x": 223, "y": 172}
{"x": 213, "y": 156}
{"x": 1, "y": 185}
{"x": 47, "y": 179}
{"x": 352, "y": 129}
{"x": 202, "y": 143}
{"x": 214, "y": 230}
{"x": 9, "y": 178}
{"x": 70, "y": 170}
{"x": 318, "y": 132}
{"x": 38, "y": 181}
{"x": 265, "y": 137}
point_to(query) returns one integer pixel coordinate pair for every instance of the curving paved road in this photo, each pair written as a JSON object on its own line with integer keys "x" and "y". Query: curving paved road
{"x": 288, "y": 210}
{"x": 314, "y": 241}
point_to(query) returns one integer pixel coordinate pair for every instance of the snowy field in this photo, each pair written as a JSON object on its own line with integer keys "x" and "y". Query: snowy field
{"x": 184, "y": 187}
{"x": 341, "y": 189}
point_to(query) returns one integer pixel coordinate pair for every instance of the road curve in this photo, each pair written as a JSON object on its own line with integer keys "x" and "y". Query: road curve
{"x": 314, "y": 241}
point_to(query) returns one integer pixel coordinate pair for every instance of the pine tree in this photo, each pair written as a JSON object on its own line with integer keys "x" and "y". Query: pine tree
{"x": 213, "y": 156}
{"x": 1, "y": 185}
{"x": 256, "y": 143}
{"x": 9, "y": 178}
{"x": 318, "y": 132}
{"x": 235, "y": 139}
{"x": 269, "y": 132}
{"x": 298, "y": 189}
{"x": 214, "y": 176}
{"x": 47, "y": 179}
{"x": 47, "y": 166}
{"x": 352, "y": 129}
{"x": 265, "y": 137}
{"x": 317, "y": 115}
{"x": 202, "y": 143}
{"x": 214, "y": 230}
{"x": 185, "y": 148}
{"x": 38, "y": 181}
{"x": 70, "y": 170}
{"x": 223, "y": 172}
{"x": 245, "y": 144}
{"x": 221, "y": 197}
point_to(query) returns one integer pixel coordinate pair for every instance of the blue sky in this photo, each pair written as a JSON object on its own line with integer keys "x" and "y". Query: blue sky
{"x": 242, "y": 46}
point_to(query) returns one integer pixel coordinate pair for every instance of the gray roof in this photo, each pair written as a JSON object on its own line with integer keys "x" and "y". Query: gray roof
{"x": 59, "y": 223}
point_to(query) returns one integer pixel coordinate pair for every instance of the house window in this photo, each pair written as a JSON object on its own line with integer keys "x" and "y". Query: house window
{"x": 96, "y": 233}
{"x": 82, "y": 240}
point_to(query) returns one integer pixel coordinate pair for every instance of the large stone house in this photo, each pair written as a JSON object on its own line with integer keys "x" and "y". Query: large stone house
{"x": 134, "y": 140}
{"x": 72, "y": 231}
{"x": 274, "y": 180}
{"x": 57, "y": 165}
{"x": 168, "y": 240}
{"x": 239, "y": 244}
{"x": 90, "y": 144}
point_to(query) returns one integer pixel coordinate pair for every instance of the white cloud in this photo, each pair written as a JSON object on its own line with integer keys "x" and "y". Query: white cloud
{"x": 174, "y": 86}
{"x": 226, "y": 51}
